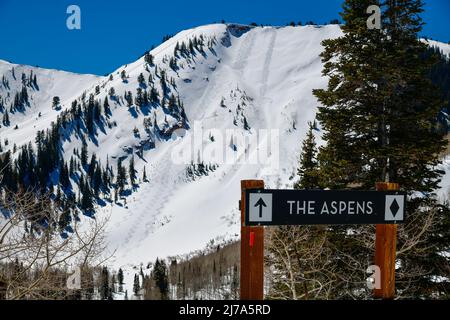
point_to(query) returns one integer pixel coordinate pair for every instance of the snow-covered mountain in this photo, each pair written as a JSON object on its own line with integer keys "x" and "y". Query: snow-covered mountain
{"x": 264, "y": 75}
{"x": 38, "y": 114}
{"x": 231, "y": 91}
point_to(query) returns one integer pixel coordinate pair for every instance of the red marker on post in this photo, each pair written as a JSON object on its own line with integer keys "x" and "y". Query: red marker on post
{"x": 252, "y": 239}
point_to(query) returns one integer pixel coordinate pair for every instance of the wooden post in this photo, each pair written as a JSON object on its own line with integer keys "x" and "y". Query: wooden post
{"x": 385, "y": 251}
{"x": 252, "y": 251}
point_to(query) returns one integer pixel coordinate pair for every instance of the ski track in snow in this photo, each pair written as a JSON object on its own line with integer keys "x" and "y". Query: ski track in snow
{"x": 152, "y": 207}
{"x": 267, "y": 61}
{"x": 208, "y": 93}
{"x": 246, "y": 47}
{"x": 265, "y": 79}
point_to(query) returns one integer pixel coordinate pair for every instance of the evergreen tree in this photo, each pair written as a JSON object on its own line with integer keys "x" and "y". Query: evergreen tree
{"x": 123, "y": 75}
{"x": 113, "y": 283}
{"x": 64, "y": 176}
{"x": 308, "y": 169}
{"x": 132, "y": 171}
{"x": 92, "y": 166}
{"x": 369, "y": 126}
{"x": 104, "y": 287}
{"x": 121, "y": 177}
{"x": 154, "y": 96}
{"x": 163, "y": 82}
{"x": 246, "y": 125}
{"x": 86, "y": 196}
{"x": 145, "y": 99}
{"x": 86, "y": 200}
{"x": 106, "y": 107}
{"x": 129, "y": 98}
{"x": 64, "y": 218}
{"x": 9, "y": 177}
{"x": 377, "y": 117}
{"x": 142, "y": 273}
{"x": 84, "y": 154}
{"x": 6, "y": 118}
{"x": 136, "y": 285}
{"x": 161, "y": 279}
{"x": 71, "y": 166}
{"x": 139, "y": 101}
{"x": 112, "y": 92}
{"x": 141, "y": 79}
{"x": 172, "y": 105}
{"x": 173, "y": 64}
{"x": 92, "y": 114}
{"x": 120, "y": 276}
{"x": 148, "y": 58}
{"x": 97, "y": 181}
{"x": 56, "y": 102}
{"x": 24, "y": 79}
{"x": 105, "y": 179}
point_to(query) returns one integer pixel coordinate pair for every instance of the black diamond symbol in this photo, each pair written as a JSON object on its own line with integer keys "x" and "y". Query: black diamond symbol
{"x": 394, "y": 207}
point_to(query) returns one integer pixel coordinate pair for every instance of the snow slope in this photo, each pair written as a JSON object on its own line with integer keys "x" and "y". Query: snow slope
{"x": 68, "y": 86}
{"x": 270, "y": 70}
{"x": 251, "y": 86}
{"x": 444, "y": 47}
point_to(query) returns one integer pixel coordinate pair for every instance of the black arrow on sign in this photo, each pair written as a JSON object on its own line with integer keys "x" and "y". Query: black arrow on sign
{"x": 261, "y": 204}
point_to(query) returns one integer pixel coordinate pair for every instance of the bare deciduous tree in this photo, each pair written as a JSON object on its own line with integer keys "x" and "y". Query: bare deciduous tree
{"x": 35, "y": 257}
{"x": 312, "y": 262}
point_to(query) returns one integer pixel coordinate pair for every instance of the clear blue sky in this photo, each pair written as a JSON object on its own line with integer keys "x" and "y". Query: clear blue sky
{"x": 116, "y": 32}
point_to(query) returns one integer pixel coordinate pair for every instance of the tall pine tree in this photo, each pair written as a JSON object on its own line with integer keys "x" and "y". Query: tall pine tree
{"x": 132, "y": 171}
{"x": 308, "y": 169}
{"x": 121, "y": 178}
{"x": 377, "y": 114}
